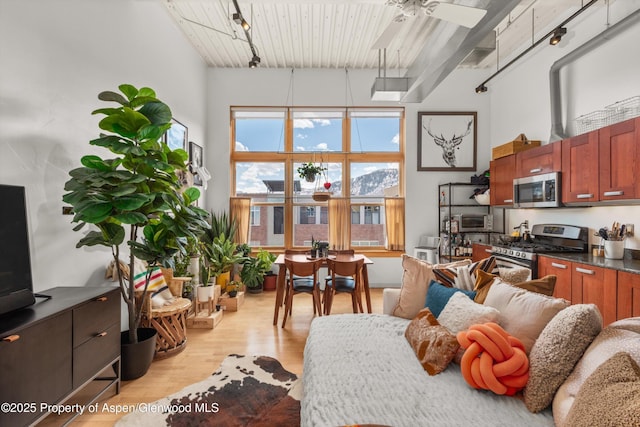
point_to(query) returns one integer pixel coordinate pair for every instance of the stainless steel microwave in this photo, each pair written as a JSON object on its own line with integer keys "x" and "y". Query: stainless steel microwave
{"x": 468, "y": 223}
{"x": 538, "y": 191}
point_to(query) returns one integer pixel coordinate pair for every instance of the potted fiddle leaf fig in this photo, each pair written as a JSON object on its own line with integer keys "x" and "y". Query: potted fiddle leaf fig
{"x": 132, "y": 201}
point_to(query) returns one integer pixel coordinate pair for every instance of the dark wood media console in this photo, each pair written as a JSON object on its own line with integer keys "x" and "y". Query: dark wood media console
{"x": 51, "y": 350}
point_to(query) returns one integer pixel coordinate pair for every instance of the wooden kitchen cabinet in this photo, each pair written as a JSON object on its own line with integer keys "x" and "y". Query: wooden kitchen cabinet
{"x": 580, "y": 168}
{"x": 628, "y": 295}
{"x": 595, "y": 285}
{"x": 543, "y": 159}
{"x": 480, "y": 252}
{"x": 502, "y": 172}
{"x": 562, "y": 271}
{"x": 619, "y": 154}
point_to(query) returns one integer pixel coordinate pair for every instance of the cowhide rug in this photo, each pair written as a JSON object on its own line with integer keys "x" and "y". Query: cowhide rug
{"x": 245, "y": 391}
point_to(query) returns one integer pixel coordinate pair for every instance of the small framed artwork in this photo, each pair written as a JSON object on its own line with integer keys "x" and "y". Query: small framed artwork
{"x": 176, "y": 136}
{"x": 195, "y": 161}
{"x": 447, "y": 141}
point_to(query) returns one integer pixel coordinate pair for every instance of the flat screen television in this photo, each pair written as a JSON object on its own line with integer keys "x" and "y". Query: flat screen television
{"x": 16, "y": 285}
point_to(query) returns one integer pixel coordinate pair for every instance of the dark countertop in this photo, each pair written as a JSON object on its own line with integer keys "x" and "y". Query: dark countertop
{"x": 627, "y": 264}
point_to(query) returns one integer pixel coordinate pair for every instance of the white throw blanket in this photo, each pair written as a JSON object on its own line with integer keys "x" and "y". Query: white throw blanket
{"x": 360, "y": 369}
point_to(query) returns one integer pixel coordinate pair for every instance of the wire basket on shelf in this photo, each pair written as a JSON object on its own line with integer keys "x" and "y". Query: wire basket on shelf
{"x": 592, "y": 121}
{"x": 624, "y": 110}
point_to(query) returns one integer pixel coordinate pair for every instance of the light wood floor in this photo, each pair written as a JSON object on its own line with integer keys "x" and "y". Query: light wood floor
{"x": 248, "y": 331}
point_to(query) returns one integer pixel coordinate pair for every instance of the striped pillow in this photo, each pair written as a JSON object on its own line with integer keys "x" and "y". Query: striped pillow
{"x": 158, "y": 290}
{"x": 464, "y": 277}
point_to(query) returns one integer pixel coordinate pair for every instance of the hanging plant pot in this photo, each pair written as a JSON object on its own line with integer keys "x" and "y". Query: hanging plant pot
{"x": 310, "y": 177}
{"x": 321, "y": 196}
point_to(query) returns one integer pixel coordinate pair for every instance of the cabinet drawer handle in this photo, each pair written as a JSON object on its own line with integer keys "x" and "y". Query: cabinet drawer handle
{"x": 102, "y": 299}
{"x": 11, "y": 338}
{"x": 556, "y": 265}
{"x": 584, "y": 271}
{"x": 584, "y": 196}
{"x": 101, "y": 334}
{"x": 535, "y": 170}
{"x": 613, "y": 193}
{"x": 508, "y": 201}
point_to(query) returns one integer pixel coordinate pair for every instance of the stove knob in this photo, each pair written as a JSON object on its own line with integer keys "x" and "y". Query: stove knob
{"x": 511, "y": 252}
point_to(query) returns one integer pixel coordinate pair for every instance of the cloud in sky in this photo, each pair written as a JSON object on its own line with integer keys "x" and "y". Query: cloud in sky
{"x": 310, "y": 123}
{"x": 396, "y": 139}
{"x": 241, "y": 147}
{"x": 322, "y": 146}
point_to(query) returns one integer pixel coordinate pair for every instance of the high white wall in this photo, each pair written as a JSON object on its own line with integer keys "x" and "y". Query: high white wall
{"x": 55, "y": 57}
{"x": 260, "y": 87}
{"x": 520, "y": 101}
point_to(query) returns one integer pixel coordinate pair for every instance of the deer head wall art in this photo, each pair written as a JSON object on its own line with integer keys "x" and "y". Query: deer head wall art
{"x": 447, "y": 141}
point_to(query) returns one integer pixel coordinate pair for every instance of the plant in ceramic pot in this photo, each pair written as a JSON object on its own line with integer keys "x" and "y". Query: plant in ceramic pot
{"x": 233, "y": 287}
{"x": 309, "y": 171}
{"x": 221, "y": 255}
{"x": 133, "y": 197}
{"x": 255, "y": 268}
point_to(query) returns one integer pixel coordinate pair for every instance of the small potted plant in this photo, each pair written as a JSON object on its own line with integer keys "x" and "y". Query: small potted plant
{"x": 309, "y": 171}
{"x": 233, "y": 287}
{"x": 221, "y": 255}
{"x": 254, "y": 270}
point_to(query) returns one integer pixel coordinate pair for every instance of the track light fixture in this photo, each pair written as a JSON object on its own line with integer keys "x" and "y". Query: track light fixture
{"x": 481, "y": 89}
{"x": 557, "y": 35}
{"x": 239, "y": 19}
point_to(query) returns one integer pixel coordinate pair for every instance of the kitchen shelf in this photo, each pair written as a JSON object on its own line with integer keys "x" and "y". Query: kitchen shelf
{"x": 453, "y": 198}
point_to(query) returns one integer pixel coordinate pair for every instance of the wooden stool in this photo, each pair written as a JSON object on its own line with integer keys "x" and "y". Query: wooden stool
{"x": 170, "y": 320}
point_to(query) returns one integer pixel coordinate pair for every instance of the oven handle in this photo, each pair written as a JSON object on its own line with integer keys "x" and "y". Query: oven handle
{"x": 511, "y": 261}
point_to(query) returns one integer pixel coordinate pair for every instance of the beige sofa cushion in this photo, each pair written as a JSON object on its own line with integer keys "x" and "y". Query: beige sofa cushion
{"x": 610, "y": 396}
{"x": 523, "y": 314}
{"x": 416, "y": 277}
{"x": 462, "y": 312}
{"x": 623, "y": 335}
{"x": 557, "y": 350}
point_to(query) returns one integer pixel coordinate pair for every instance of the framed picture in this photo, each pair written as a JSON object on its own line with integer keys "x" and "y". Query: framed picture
{"x": 447, "y": 141}
{"x": 195, "y": 161}
{"x": 176, "y": 136}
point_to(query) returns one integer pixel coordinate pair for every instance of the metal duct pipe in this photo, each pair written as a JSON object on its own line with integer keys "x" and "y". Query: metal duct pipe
{"x": 557, "y": 130}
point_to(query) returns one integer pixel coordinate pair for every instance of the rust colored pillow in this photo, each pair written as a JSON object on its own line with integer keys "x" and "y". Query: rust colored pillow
{"x": 484, "y": 281}
{"x": 433, "y": 344}
{"x": 545, "y": 285}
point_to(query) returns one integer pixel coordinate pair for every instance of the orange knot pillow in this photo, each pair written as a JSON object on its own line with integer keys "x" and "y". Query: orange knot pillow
{"x": 493, "y": 359}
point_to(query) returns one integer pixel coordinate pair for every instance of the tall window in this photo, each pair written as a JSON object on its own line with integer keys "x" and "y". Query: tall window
{"x": 361, "y": 152}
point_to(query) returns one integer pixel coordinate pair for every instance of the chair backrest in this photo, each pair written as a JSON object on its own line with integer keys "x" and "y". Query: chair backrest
{"x": 304, "y": 268}
{"x": 345, "y": 268}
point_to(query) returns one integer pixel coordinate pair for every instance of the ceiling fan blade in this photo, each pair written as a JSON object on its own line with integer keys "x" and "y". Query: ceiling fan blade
{"x": 387, "y": 36}
{"x": 462, "y": 15}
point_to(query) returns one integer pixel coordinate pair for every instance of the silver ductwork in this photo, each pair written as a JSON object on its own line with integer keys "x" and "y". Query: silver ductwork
{"x": 558, "y": 131}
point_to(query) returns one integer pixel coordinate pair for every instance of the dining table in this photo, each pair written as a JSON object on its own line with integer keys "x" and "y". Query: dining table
{"x": 282, "y": 274}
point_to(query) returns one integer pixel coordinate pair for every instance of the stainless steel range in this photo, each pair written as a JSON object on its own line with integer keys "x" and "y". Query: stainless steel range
{"x": 546, "y": 238}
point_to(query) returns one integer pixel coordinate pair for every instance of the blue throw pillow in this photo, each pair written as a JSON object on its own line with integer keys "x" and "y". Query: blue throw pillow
{"x": 438, "y": 295}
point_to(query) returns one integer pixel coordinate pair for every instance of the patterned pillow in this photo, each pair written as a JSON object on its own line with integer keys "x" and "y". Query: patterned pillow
{"x": 433, "y": 344}
{"x": 610, "y": 396}
{"x": 158, "y": 289}
{"x": 438, "y": 296}
{"x": 463, "y": 277}
{"x": 556, "y": 351}
{"x": 415, "y": 281}
{"x": 461, "y": 312}
{"x": 514, "y": 275}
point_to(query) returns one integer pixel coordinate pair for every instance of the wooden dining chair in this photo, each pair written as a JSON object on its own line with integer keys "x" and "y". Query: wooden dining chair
{"x": 345, "y": 277}
{"x": 302, "y": 278}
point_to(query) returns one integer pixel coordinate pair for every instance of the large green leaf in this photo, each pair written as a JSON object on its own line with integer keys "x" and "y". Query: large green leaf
{"x": 107, "y": 111}
{"x": 94, "y": 212}
{"x": 158, "y": 113}
{"x": 112, "y": 96}
{"x": 95, "y": 162}
{"x": 93, "y": 238}
{"x": 149, "y": 132}
{"x": 147, "y": 91}
{"x": 132, "y": 202}
{"x": 190, "y": 195}
{"x": 129, "y": 91}
{"x": 131, "y": 218}
{"x": 112, "y": 233}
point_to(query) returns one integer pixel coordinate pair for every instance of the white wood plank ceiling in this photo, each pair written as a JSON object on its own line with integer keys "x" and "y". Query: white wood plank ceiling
{"x": 338, "y": 34}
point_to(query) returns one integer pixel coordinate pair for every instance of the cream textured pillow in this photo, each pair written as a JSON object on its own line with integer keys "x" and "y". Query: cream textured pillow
{"x": 432, "y": 343}
{"x": 557, "y": 350}
{"x": 462, "y": 312}
{"x": 416, "y": 277}
{"x": 610, "y": 396}
{"x": 523, "y": 314}
{"x": 623, "y": 335}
